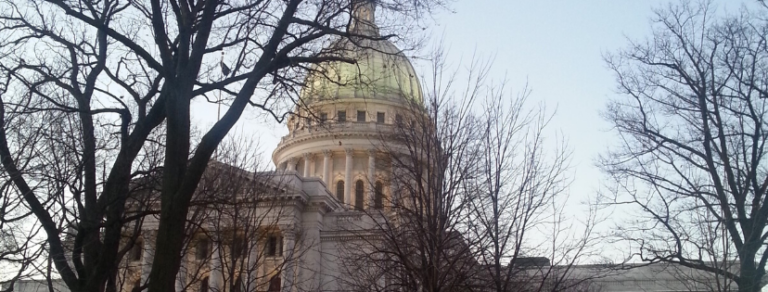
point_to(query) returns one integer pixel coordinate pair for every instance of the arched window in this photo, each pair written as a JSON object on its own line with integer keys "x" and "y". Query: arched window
{"x": 359, "y": 194}
{"x": 340, "y": 191}
{"x": 378, "y": 195}
{"x": 204, "y": 285}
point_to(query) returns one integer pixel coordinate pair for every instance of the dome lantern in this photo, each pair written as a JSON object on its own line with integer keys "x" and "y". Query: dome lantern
{"x": 364, "y": 18}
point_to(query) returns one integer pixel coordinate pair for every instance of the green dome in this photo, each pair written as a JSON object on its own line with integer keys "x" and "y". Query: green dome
{"x": 382, "y": 71}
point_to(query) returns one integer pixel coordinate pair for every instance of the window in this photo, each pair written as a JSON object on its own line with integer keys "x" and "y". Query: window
{"x": 361, "y": 116}
{"x": 136, "y": 250}
{"x": 274, "y": 246}
{"x": 201, "y": 249}
{"x": 340, "y": 191}
{"x": 308, "y": 121}
{"x": 380, "y": 117}
{"x": 398, "y": 119}
{"x": 204, "y": 285}
{"x": 359, "y": 194}
{"x": 274, "y": 284}
{"x": 323, "y": 117}
{"x": 271, "y": 246}
{"x": 237, "y": 248}
{"x": 341, "y": 116}
{"x": 238, "y": 285}
{"x": 378, "y": 195}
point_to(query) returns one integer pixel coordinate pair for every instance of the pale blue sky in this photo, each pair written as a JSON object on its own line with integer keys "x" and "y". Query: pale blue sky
{"x": 556, "y": 46}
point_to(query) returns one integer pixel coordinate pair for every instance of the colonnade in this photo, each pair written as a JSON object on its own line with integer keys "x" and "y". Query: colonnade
{"x": 292, "y": 163}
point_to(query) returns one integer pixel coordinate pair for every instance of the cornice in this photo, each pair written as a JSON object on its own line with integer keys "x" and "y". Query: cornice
{"x": 334, "y": 133}
{"x": 395, "y": 100}
{"x": 295, "y": 198}
{"x": 321, "y": 207}
{"x": 346, "y": 236}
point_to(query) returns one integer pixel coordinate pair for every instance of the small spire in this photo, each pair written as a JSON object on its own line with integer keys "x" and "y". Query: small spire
{"x": 364, "y": 18}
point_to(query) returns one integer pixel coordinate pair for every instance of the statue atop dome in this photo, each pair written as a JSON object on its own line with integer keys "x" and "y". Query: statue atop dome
{"x": 364, "y": 18}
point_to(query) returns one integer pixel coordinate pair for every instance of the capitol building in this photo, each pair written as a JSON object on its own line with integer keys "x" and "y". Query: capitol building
{"x": 332, "y": 184}
{"x": 332, "y": 179}
{"x": 330, "y": 170}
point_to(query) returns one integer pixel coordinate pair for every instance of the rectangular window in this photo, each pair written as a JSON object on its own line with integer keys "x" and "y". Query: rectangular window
{"x": 341, "y": 116}
{"x": 380, "y": 117}
{"x": 136, "y": 251}
{"x": 238, "y": 246}
{"x": 323, "y": 117}
{"x": 201, "y": 249}
{"x": 398, "y": 119}
{"x": 274, "y": 246}
{"x": 271, "y": 246}
{"x": 361, "y": 116}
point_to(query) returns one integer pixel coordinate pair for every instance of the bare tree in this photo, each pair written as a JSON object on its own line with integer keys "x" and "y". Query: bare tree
{"x": 525, "y": 238}
{"x": 234, "y": 232}
{"x": 470, "y": 181}
{"x": 414, "y": 241}
{"x": 90, "y": 82}
{"x": 241, "y": 211}
{"x": 20, "y": 249}
{"x": 691, "y": 153}
{"x": 14, "y": 241}
{"x": 519, "y": 195}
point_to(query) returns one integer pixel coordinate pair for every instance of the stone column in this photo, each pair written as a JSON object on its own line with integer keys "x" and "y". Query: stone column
{"x": 393, "y": 193}
{"x": 216, "y": 276}
{"x": 291, "y": 166}
{"x": 313, "y": 165}
{"x": 371, "y": 176}
{"x": 327, "y": 168}
{"x": 147, "y": 254}
{"x": 287, "y": 273}
{"x": 348, "y": 178}
{"x": 307, "y": 155}
{"x": 252, "y": 266}
{"x": 311, "y": 271}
